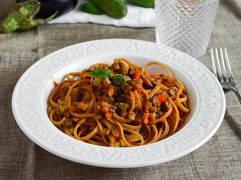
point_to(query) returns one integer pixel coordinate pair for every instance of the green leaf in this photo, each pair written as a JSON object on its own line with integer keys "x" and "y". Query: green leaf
{"x": 118, "y": 80}
{"x": 101, "y": 73}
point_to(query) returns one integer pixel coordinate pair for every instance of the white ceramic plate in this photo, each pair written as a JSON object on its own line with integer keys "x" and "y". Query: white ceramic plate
{"x": 29, "y": 103}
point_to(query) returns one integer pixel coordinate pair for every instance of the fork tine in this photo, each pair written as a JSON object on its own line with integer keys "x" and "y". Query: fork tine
{"x": 225, "y": 75}
{"x": 213, "y": 63}
{"x": 229, "y": 70}
{"x": 219, "y": 72}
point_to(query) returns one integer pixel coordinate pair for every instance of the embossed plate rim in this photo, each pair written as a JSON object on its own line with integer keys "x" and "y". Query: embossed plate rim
{"x": 131, "y": 157}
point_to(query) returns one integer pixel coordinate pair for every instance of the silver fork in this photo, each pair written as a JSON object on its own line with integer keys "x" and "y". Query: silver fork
{"x": 222, "y": 70}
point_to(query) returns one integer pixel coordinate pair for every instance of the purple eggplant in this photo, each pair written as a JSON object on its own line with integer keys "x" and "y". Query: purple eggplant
{"x": 49, "y": 7}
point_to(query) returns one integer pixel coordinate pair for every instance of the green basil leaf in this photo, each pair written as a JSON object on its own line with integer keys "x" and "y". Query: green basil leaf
{"x": 101, "y": 73}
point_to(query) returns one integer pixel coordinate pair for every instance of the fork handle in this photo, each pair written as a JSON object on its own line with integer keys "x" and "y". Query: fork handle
{"x": 235, "y": 90}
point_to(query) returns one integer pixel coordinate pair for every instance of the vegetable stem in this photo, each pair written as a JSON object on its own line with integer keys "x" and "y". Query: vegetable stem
{"x": 23, "y": 18}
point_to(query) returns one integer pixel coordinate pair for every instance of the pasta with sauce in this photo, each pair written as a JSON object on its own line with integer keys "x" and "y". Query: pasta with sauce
{"x": 119, "y": 105}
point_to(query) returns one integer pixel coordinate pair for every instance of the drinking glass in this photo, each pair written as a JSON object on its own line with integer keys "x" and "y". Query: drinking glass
{"x": 185, "y": 24}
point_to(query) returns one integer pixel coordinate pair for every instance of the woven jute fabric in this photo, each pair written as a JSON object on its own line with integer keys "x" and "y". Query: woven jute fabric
{"x": 219, "y": 158}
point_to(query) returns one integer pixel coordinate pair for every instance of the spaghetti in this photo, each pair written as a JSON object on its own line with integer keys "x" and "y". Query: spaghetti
{"x": 119, "y": 105}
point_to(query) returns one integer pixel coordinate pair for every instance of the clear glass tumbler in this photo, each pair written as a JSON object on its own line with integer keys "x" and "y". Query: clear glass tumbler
{"x": 185, "y": 24}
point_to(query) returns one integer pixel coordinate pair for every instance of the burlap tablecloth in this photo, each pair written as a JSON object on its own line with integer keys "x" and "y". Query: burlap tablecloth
{"x": 219, "y": 158}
